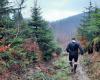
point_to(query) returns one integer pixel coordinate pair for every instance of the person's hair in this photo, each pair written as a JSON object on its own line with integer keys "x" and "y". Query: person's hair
{"x": 73, "y": 38}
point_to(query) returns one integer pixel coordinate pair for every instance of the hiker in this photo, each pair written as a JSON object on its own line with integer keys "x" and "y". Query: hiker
{"x": 72, "y": 49}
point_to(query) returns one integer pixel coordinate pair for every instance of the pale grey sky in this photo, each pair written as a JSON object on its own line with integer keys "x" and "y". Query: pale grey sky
{"x": 57, "y": 9}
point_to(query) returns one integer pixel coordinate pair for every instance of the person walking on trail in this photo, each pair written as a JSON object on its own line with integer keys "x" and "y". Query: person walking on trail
{"x": 73, "y": 49}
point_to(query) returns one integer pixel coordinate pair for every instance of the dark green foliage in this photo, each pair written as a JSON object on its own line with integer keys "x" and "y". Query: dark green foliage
{"x": 86, "y": 23}
{"x": 42, "y": 33}
{"x": 5, "y": 56}
{"x": 31, "y": 56}
{"x": 90, "y": 26}
{"x": 25, "y": 39}
{"x": 58, "y": 51}
{"x": 4, "y": 9}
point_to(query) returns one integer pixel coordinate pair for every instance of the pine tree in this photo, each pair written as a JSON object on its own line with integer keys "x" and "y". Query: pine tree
{"x": 96, "y": 28}
{"x": 90, "y": 27}
{"x": 42, "y": 32}
{"x": 5, "y": 9}
{"x": 5, "y": 21}
{"x": 96, "y": 22}
{"x": 86, "y": 23}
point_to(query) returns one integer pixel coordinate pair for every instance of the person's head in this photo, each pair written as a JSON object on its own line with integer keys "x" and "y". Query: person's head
{"x": 73, "y": 39}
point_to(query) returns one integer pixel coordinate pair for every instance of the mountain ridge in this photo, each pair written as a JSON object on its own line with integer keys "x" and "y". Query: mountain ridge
{"x": 66, "y": 28}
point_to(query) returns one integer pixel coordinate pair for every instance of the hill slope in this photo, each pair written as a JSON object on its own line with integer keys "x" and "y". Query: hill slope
{"x": 66, "y": 28}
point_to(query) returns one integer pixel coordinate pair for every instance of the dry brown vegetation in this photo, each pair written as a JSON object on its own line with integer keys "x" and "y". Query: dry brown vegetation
{"x": 93, "y": 66}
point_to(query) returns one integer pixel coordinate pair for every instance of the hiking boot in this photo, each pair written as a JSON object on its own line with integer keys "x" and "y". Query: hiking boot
{"x": 75, "y": 67}
{"x": 72, "y": 69}
{"x": 71, "y": 64}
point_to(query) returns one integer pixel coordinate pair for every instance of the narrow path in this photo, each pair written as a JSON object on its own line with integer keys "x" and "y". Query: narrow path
{"x": 80, "y": 74}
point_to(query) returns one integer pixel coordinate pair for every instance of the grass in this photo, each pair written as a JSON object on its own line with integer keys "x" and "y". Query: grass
{"x": 59, "y": 71}
{"x": 63, "y": 69}
{"x": 93, "y": 68}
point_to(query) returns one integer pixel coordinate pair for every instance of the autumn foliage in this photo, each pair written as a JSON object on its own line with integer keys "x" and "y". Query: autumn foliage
{"x": 4, "y": 48}
{"x": 30, "y": 45}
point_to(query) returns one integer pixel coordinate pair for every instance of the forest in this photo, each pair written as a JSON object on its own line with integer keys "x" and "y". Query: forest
{"x": 29, "y": 51}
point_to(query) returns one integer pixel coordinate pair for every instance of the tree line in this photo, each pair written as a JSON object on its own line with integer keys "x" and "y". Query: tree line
{"x": 90, "y": 26}
{"x": 20, "y": 37}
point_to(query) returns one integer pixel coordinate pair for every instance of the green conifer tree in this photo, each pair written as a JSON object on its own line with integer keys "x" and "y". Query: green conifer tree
{"x": 86, "y": 23}
{"x": 42, "y": 32}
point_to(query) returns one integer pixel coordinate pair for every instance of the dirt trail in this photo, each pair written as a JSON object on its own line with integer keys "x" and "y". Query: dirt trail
{"x": 80, "y": 74}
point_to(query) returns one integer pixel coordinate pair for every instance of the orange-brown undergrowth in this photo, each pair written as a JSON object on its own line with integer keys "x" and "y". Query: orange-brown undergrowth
{"x": 94, "y": 67}
{"x": 4, "y": 48}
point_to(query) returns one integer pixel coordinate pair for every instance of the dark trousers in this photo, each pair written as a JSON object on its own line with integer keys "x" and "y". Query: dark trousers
{"x": 73, "y": 57}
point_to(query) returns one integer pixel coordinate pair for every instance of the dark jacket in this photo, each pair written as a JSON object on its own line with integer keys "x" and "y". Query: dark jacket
{"x": 73, "y": 48}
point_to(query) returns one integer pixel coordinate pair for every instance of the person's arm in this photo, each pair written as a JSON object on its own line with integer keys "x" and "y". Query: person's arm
{"x": 67, "y": 49}
{"x": 81, "y": 50}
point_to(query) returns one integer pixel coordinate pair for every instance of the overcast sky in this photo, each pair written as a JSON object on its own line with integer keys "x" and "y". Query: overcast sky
{"x": 57, "y": 9}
